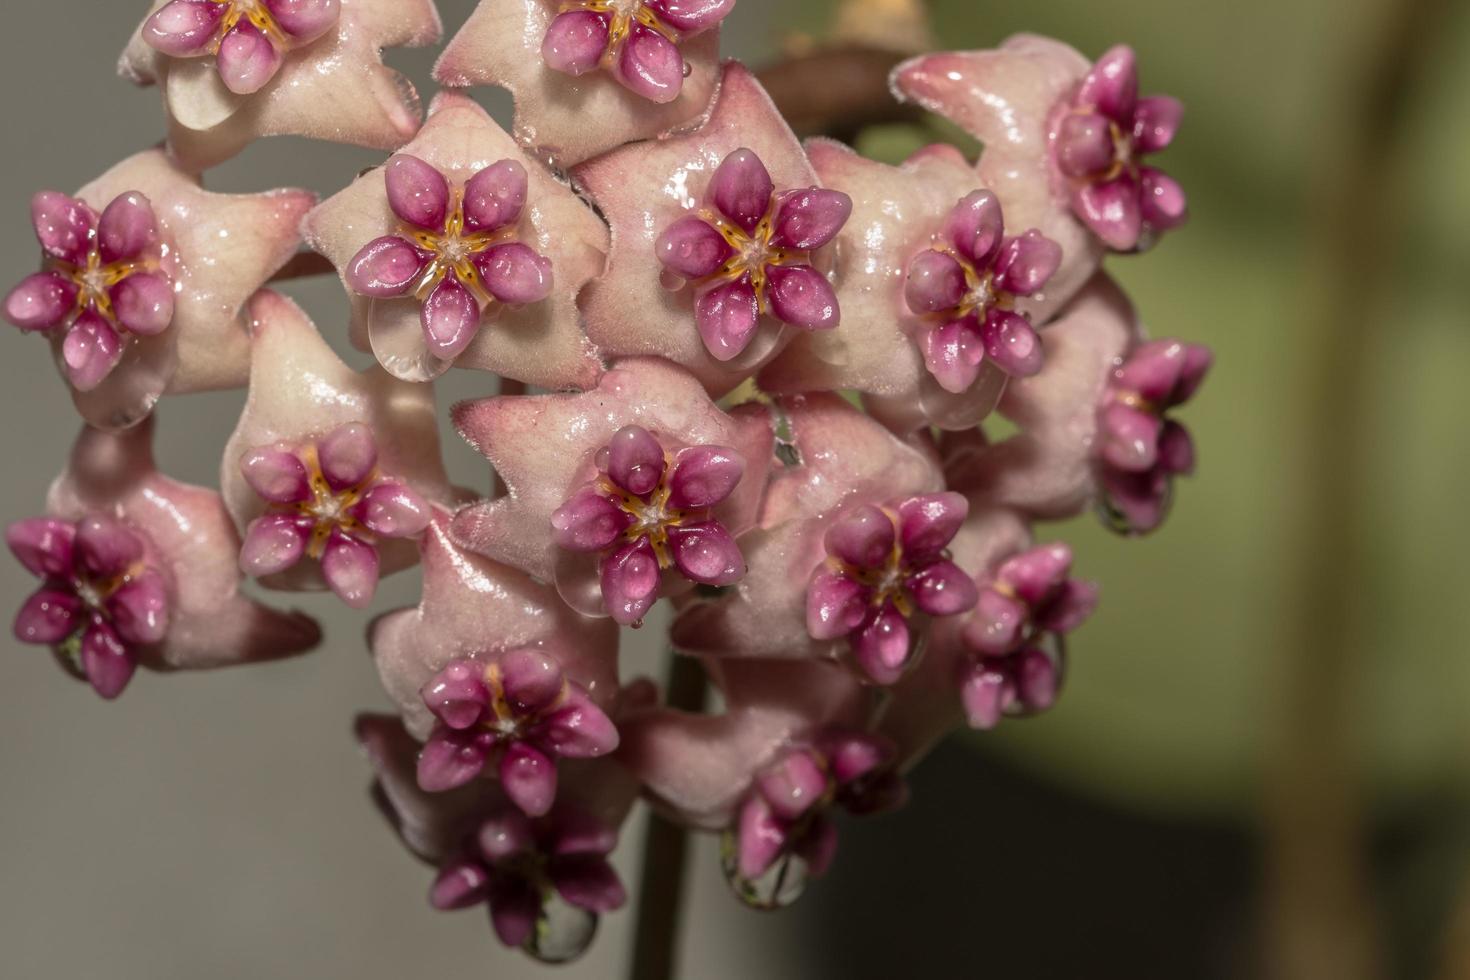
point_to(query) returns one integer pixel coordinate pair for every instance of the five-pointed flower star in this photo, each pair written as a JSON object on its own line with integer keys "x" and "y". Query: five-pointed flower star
{"x": 369, "y": 429}
{"x": 202, "y": 254}
{"x": 552, "y": 239}
{"x": 334, "y": 87}
{"x": 567, "y": 116}
{"x": 138, "y": 570}
{"x": 651, "y": 191}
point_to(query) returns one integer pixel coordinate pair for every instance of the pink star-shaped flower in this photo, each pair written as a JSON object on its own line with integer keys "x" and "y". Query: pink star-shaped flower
{"x": 493, "y": 668}
{"x": 661, "y": 61}
{"x": 144, "y": 277}
{"x": 549, "y": 449}
{"x": 235, "y": 71}
{"x": 138, "y": 569}
{"x": 329, "y": 473}
{"x": 709, "y": 264}
{"x": 464, "y": 250}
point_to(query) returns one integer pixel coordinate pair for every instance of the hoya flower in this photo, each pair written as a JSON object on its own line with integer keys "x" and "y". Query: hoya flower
{"x": 137, "y": 569}
{"x": 1101, "y": 402}
{"x": 649, "y": 510}
{"x": 464, "y": 250}
{"x": 142, "y": 281}
{"x": 718, "y": 241}
{"x": 1014, "y": 636}
{"x": 1063, "y": 141}
{"x": 545, "y": 881}
{"x": 606, "y": 486}
{"x": 236, "y": 70}
{"x": 329, "y": 473}
{"x": 588, "y": 76}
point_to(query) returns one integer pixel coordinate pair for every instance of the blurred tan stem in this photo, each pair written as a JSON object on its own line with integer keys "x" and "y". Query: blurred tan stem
{"x": 1322, "y": 923}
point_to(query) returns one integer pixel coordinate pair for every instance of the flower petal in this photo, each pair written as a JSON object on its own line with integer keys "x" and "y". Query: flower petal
{"x": 450, "y": 319}
{"x": 689, "y": 17}
{"x": 1155, "y": 122}
{"x": 835, "y": 605}
{"x": 1084, "y": 144}
{"x": 741, "y": 188}
{"x": 305, "y": 20}
{"x": 995, "y": 628}
{"x": 458, "y": 695}
{"x": 184, "y": 27}
{"x": 351, "y": 570}
{"x": 40, "y": 301}
{"x": 575, "y": 41}
{"x": 727, "y": 317}
{"x": 1176, "y": 449}
{"x": 651, "y": 65}
{"x": 495, "y": 196}
{"x": 942, "y": 589}
{"x": 630, "y": 582}
{"x": 953, "y": 353}
{"x": 588, "y": 882}
{"x": 579, "y": 729}
{"x": 704, "y": 476}
{"x": 417, "y": 192}
{"x": 883, "y": 646}
{"x": 451, "y": 759}
{"x": 107, "y": 662}
{"x": 793, "y": 785}
{"x": 1026, "y": 262}
{"x": 588, "y": 522}
{"x": 692, "y": 248}
{"x": 863, "y": 537}
{"x": 247, "y": 59}
{"x": 528, "y": 777}
{"x": 1130, "y": 437}
{"x": 459, "y": 885}
{"x": 810, "y": 218}
{"x": 976, "y": 226}
{"x": 144, "y": 303}
{"x": 1036, "y": 574}
{"x": 63, "y": 226}
{"x": 140, "y": 609}
{"x": 1112, "y": 85}
{"x": 1011, "y": 343}
{"x": 514, "y": 908}
{"x": 532, "y": 680}
{"x": 1037, "y": 680}
{"x": 347, "y": 455}
{"x": 277, "y": 475}
{"x": 48, "y": 617}
{"x": 394, "y": 510}
{"x": 273, "y": 543}
{"x": 935, "y": 282}
{"x": 760, "y": 839}
{"x": 1162, "y": 200}
{"x": 802, "y": 296}
{"x": 127, "y": 227}
{"x": 706, "y": 553}
{"x": 928, "y": 523}
{"x": 1112, "y": 210}
{"x": 42, "y": 544}
{"x": 635, "y": 459}
{"x": 385, "y": 267}
{"x": 514, "y": 273}
{"x": 986, "y": 694}
{"x": 105, "y": 548}
{"x": 90, "y": 351}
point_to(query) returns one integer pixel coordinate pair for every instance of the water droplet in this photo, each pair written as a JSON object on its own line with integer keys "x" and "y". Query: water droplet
{"x": 1115, "y": 518}
{"x": 781, "y": 885}
{"x": 688, "y": 69}
{"x": 563, "y": 931}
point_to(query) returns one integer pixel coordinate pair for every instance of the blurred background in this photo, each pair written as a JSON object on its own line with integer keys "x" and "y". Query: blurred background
{"x": 1259, "y": 768}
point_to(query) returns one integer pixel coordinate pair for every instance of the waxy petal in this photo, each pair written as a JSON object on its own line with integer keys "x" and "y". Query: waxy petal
{"x": 1112, "y": 85}
{"x": 1155, "y": 122}
{"x": 689, "y": 17}
{"x": 942, "y": 589}
{"x": 863, "y": 537}
{"x": 651, "y": 65}
{"x": 995, "y": 628}
{"x": 247, "y": 59}
{"x": 1084, "y": 144}
{"x": 1113, "y": 211}
{"x": 706, "y": 553}
{"x": 528, "y": 777}
{"x": 140, "y": 609}
{"x": 1130, "y": 438}
{"x": 182, "y": 28}
{"x": 802, "y": 296}
{"x": 48, "y": 617}
{"x": 417, "y": 192}
{"x": 1011, "y": 344}
{"x": 588, "y": 883}
{"x": 273, "y": 543}
{"x": 741, "y": 189}
{"x": 394, "y": 510}
{"x": 514, "y": 908}
{"x": 808, "y": 219}
{"x": 692, "y": 248}
{"x": 41, "y": 301}
{"x": 105, "y": 547}
{"x": 514, "y": 273}
{"x": 385, "y": 267}
{"x": 704, "y": 476}
{"x": 588, "y": 522}
{"x": 1161, "y": 200}
{"x": 91, "y": 350}
{"x": 760, "y": 839}
{"x": 351, "y": 569}
{"x": 927, "y": 524}
{"x": 635, "y": 459}
{"x": 451, "y": 759}
{"x": 1176, "y": 449}
{"x": 1036, "y": 574}
{"x": 935, "y": 282}
{"x": 450, "y": 318}
{"x": 144, "y": 304}
{"x": 532, "y": 680}
{"x": 882, "y": 647}
{"x": 63, "y": 226}
{"x": 575, "y": 41}
{"x": 127, "y": 227}
{"x": 953, "y": 353}
{"x": 835, "y": 605}
{"x": 44, "y": 545}
{"x": 347, "y": 455}
{"x": 975, "y": 227}
{"x": 106, "y": 660}
{"x": 458, "y": 695}
{"x": 630, "y": 582}
{"x": 1037, "y": 680}
{"x": 1026, "y": 262}
{"x": 495, "y": 197}
{"x": 305, "y": 20}
{"x": 578, "y": 729}
{"x": 460, "y": 885}
{"x": 986, "y": 694}
{"x": 277, "y": 475}
{"x": 793, "y": 785}
{"x": 727, "y": 317}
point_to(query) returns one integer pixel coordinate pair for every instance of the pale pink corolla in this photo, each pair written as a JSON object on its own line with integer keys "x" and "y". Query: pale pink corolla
{"x": 143, "y": 279}
{"x": 329, "y": 473}
{"x": 465, "y": 250}
{"x": 136, "y": 570}
{"x": 711, "y": 267}
{"x": 548, "y": 449}
{"x": 234, "y": 71}
{"x": 660, "y": 74}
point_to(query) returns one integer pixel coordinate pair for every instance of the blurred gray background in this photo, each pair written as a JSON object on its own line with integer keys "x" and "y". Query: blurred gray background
{"x": 217, "y": 825}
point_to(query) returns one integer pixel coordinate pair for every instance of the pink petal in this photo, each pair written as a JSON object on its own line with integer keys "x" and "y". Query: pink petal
{"x": 347, "y": 455}
{"x": 706, "y": 553}
{"x": 274, "y": 543}
{"x": 48, "y": 617}
{"x": 651, "y": 65}
{"x": 575, "y": 41}
{"x": 692, "y": 248}
{"x": 935, "y": 282}
{"x": 578, "y": 832}
{"x": 818, "y": 847}
{"x": 689, "y": 17}
{"x": 741, "y": 188}
{"x": 450, "y": 318}
{"x": 184, "y": 27}
{"x": 126, "y": 228}
{"x": 506, "y": 834}
{"x": 1112, "y": 85}
{"x": 394, "y": 510}
{"x": 588, "y": 882}
{"x": 863, "y": 537}
{"x": 144, "y": 303}
{"x": 1084, "y": 144}
{"x": 140, "y": 609}
{"x": 247, "y": 59}
{"x": 882, "y": 647}
{"x": 351, "y": 570}
{"x": 63, "y": 226}
{"x": 630, "y": 581}
{"x": 42, "y": 544}
{"x": 514, "y": 908}
{"x": 802, "y": 296}
{"x": 417, "y": 193}
{"x": 458, "y": 695}
{"x": 808, "y": 219}
{"x": 1155, "y": 122}
{"x": 532, "y": 680}
{"x": 41, "y": 301}
{"x": 1074, "y": 603}
{"x": 1197, "y": 362}
{"x": 1176, "y": 449}
{"x": 727, "y": 316}
{"x": 986, "y": 695}
{"x": 90, "y": 351}
{"x": 1112, "y": 211}
{"x": 578, "y": 729}
{"x": 1026, "y": 262}
{"x": 385, "y": 267}
{"x": 450, "y": 759}
{"x": 1153, "y": 371}
{"x": 459, "y": 885}
{"x": 928, "y": 523}
{"x": 704, "y": 476}
{"x": 1141, "y": 500}
{"x": 1011, "y": 343}
{"x": 1035, "y": 574}
{"x": 1162, "y": 200}
{"x": 793, "y": 785}
{"x": 976, "y": 226}
{"x": 1037, "y": 681}
{"x": 942, "y": 589}
{"x": 635, "y": 459}
{"x": 995, "y": 628}
{"x": 305, "y": 20}
{"x": 588, "y": 522}
{"x": 514, "y": 273}
{"x": 835, "y": 605}
{"x": 108, "y": 664}
{"x": 953, "y": 353}
{"x": 853, "y": 755}
{"x": 528, "y": 778}
{"x": 276, "y": 475}
{"x": 760, "y": 839}
{"x": 495, "y": 197}
{"x": 1130, "y": 437}
{"x": 105, "y": 548}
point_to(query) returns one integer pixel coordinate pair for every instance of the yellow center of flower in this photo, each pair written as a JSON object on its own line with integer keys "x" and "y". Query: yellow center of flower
{"x": 652, "y": 518}
{"x": 256, "y": 13}
{"x": 331, "y": 509}
{"x": 454, "y": 249}
{"x": 753, "y": 252}
{"x": 885, "y": 583}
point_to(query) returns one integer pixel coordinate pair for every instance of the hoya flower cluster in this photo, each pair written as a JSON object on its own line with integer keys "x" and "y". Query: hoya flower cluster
{"x": 762, "y": 374}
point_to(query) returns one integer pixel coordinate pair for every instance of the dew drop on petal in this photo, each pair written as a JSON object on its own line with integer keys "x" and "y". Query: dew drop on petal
{"x": 563, "y": 931}
{"x": 779, "y": 886}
